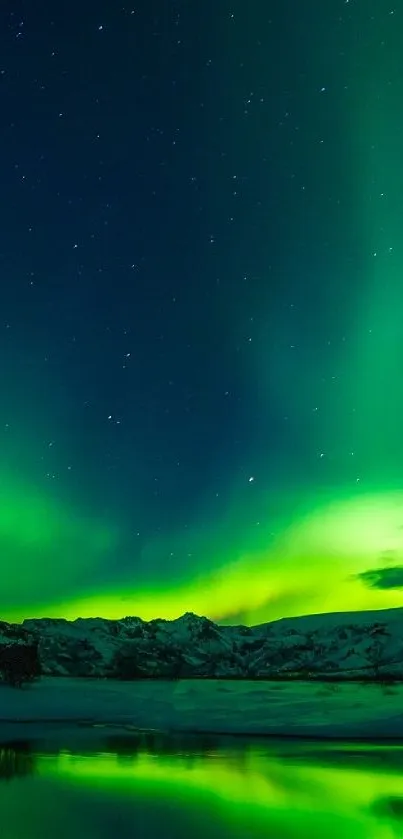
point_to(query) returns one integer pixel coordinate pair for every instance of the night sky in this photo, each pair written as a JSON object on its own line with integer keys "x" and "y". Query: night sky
{"x": 201, "y": 308}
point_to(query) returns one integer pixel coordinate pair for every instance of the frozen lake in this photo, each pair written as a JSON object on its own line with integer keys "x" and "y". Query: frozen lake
{"x": 269, "y": 708}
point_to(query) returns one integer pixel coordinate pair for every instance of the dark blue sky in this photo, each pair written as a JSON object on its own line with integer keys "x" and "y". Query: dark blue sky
{"x": 182, "y": 254}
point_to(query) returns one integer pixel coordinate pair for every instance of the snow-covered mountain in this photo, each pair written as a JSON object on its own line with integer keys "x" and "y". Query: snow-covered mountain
{"x": 345, "y": 645}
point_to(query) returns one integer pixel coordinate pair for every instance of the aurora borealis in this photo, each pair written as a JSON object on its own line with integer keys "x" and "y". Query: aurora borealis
{"x": 201, "y": 298}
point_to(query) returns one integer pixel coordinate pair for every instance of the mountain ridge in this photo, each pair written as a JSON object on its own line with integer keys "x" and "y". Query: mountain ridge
{"x": 329, "y": 646}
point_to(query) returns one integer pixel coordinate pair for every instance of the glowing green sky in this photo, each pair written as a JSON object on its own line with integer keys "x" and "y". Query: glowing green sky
{"x": 202, "y": 347}
{"x": 334, "y": 544}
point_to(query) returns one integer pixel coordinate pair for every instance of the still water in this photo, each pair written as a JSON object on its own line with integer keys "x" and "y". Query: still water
{"x": 204, "y": 789}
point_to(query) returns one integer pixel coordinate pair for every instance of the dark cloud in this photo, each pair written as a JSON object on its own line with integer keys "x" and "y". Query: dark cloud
{"x": 383, "y": 577}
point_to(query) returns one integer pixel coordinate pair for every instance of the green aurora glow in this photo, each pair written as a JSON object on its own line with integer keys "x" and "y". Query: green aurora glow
{"x": 333, "y": 544}
{"x": 312, "y": 554}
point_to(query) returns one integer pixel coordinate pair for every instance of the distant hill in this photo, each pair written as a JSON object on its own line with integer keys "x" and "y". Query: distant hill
{"x": 339, "y": 646}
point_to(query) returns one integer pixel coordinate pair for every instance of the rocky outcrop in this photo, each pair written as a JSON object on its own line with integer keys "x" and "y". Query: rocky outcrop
{"x": 19, "y": 658}
{"x": 344, "y": 646}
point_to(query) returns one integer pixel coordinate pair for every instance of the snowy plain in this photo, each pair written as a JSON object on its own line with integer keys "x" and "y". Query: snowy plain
{"x": 298, "y": 709}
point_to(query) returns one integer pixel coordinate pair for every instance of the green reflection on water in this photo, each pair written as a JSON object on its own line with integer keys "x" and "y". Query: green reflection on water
{"x": 209, "y": 789}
